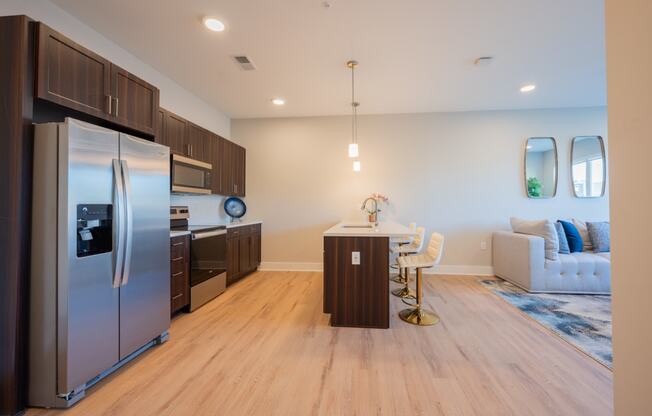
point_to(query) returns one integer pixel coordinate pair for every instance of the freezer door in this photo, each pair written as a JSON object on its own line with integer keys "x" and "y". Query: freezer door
{"x": 145, "y": 288}
{"x": 87, "y": 302}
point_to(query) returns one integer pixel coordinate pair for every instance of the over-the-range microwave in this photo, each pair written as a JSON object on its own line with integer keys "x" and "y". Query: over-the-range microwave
{"x": 190, "y": 176}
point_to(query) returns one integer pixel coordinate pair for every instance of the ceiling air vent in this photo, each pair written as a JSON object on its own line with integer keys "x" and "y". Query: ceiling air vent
{"x": 244, "y": 62}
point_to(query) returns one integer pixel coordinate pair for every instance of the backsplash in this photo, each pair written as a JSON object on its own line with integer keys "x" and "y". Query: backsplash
{"x": 204, "y": 209}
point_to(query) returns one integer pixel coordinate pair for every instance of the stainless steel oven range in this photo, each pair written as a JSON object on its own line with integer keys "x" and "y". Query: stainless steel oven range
{"x": 207, "y": 257}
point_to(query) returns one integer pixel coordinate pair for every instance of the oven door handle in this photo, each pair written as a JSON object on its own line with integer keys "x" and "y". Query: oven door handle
{"x": 199, "y": 236}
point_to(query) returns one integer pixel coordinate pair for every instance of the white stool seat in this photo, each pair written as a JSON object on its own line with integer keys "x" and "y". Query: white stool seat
{"x": 418, "y": 260}
{"x": 414, "y": 247}
{"x": 427, "y": 259}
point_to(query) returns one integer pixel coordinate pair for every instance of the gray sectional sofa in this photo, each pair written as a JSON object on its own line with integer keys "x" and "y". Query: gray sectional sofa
{"x": 520, "y": 259}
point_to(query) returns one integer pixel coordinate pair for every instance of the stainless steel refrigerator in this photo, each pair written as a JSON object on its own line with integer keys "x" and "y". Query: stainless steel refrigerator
{"x": 100, "y": 266}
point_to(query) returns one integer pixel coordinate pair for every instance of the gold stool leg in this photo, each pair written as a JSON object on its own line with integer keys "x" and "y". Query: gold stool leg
{"x": 405, "y": 291}
{"x": 418, "y": 315}
{"x": 400, "y": 278}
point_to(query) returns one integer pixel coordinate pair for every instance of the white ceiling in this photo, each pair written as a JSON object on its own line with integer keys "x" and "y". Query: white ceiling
{"x": 415, "y": 55}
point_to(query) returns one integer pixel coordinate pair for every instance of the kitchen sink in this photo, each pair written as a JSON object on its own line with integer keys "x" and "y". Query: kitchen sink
{"x": 369, "y": 226}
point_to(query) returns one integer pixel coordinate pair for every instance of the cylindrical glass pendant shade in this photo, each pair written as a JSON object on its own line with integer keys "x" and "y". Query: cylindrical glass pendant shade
{"x": 353, "y": 150}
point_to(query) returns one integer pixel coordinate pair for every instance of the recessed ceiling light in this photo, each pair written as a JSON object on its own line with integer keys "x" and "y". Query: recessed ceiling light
{"x": 213, "y": 24}
{"x": 528, "y": 88}
{"x": 278, "y": 101}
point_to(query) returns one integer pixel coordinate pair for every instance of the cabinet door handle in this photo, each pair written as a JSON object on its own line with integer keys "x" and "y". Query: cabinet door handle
{"x": 177, "y": 244}
{"x": 175, "y": 297}
{"x": 177, "y": 274}
{"x": 116, "y": 106}
{"x": 110, "y": 102}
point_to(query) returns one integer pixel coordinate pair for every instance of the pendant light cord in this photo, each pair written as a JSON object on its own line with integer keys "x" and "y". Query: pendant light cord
{"x": 354, "y": 126}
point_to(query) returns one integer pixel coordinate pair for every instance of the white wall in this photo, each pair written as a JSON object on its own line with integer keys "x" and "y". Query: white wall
{"x": 457, "y": 173}
{"x": 629, "y": 87}
{"x": 173, "y": 96}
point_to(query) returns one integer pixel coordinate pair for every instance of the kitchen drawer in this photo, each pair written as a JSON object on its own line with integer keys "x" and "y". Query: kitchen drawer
{"x": 177, "y": 247}
{"x": 177, "y": 265}
{"x": 233, "y": 233}
{"x": 178, "y": 282}
{"x": 179, "y": 272}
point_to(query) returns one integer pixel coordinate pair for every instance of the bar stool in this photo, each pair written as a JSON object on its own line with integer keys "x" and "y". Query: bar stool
{"x": 414, "y": 247}
{"x": 417, "y": 315}
{"x": 400, "y": 241}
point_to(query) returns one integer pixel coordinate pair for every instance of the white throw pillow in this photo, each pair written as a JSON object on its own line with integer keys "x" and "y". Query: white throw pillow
{"x": 542, "y": 228}
{"x": 584, "y": 233}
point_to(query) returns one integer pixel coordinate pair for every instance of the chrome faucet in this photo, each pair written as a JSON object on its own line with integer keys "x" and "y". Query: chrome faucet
{"x": 364, "y": 207}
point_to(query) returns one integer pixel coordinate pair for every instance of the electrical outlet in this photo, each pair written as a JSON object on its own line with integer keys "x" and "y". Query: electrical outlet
{"x": 355, "y": 257}
{"x": 483, "y": 245}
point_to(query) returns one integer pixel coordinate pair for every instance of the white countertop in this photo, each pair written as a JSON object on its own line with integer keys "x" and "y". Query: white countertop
{"x": 361, "y": 229}
{"x": 243, "y": 223}
{"x": 174, "y": 233}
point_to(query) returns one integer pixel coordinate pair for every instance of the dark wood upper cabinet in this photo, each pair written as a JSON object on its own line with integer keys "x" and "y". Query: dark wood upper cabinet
{"x": 240, "y": 170}
{"x": 71, "y": 75}
{"x": 160, "y": 137}
{"x": 199, "y": 143}
{"x": 232, "y": 169}
{"x": 217, "y": 150}
{"x": 187, "y": 139}
{"x": 227, "y": 168}
{"x": 135, "y": 102}
{"x": 75, "y": 77}
{"x": 175, "y": 133}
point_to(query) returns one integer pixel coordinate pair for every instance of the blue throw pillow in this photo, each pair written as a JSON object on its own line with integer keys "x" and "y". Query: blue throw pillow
{"x": 563, "y": 242}
{"x": 599, "y": 234}
{"x": 575, "y": 242}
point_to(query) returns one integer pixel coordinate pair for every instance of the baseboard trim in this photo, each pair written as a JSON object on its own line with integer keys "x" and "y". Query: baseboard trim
{"x": 463, "y": 270}
{"x": 318, "y": 267}
{"x": 280, "y": 266}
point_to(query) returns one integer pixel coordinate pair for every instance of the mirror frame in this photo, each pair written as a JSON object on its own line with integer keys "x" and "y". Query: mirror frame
{"x": 554, "y": 144}
{"x": 604, "y": 169}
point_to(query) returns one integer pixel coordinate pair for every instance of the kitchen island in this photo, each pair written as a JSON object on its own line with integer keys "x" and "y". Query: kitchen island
{"x": 356, "y": 273}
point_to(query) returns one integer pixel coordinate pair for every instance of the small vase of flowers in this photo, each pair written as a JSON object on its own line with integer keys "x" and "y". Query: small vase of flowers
{"x": 373, "y": 212}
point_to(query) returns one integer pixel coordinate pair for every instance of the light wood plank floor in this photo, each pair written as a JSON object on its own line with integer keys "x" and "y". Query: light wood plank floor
{"x": 265, "y": 348}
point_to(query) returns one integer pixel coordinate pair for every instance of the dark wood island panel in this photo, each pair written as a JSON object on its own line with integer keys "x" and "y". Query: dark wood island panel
{"x": 357, "y": 295}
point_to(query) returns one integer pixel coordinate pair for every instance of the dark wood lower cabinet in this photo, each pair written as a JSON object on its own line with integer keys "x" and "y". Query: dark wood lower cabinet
{"x": 243, "y": 245}
{"x": 179, "y": 272}
{"x": 357, "y": 295}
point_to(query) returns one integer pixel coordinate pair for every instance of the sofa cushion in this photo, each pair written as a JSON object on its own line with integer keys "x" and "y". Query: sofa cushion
{"x": 599, "y": 233}
{"x": 578, "y": 272}
{"x": 584, "y": 232}
{"x": 542, "y": 228}
{"x": 563, "y": 241}
{"x": 575, "y": 243}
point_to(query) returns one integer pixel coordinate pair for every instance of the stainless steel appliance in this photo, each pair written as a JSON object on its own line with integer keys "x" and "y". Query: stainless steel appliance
{"x": 100, "y": 272}
{"x": 207, "y": 257}
{"x": 190, "y": 176}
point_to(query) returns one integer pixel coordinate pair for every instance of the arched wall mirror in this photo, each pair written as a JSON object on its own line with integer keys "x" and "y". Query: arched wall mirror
{"x": 588, "y": 166}
{"x": 541, "y": 167}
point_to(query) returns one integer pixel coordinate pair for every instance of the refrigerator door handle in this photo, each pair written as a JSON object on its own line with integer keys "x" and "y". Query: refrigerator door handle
{"x": 129, "y": 232}
{"x": 118, "y": 220}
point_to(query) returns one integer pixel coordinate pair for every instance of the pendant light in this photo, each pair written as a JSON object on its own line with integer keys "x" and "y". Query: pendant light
{"x": 354, "y": 151}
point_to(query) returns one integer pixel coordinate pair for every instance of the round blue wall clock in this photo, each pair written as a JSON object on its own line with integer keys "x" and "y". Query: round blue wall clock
{"x": 235, "y": 208}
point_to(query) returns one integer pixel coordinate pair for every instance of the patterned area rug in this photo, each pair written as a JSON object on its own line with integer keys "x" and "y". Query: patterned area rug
{"x": 582, "y": 320}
